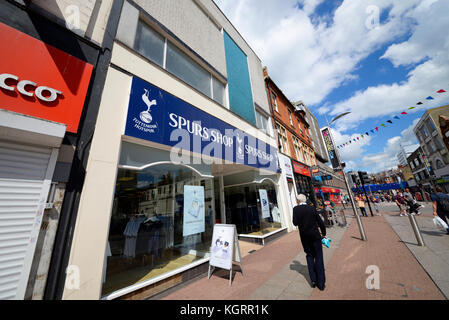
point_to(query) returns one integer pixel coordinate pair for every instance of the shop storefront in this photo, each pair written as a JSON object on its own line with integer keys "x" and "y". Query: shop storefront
{"x": 40, "y": 103}
{"x": 328, "y": 194}
{"x": 303, "y": 180}
{"x": 179, "y": 171}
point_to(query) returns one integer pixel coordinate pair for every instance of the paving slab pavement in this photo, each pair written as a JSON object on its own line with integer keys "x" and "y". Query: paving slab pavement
{"x": 434, "y": 256}
{"x": 278, "y": 271}
{"x": 401, "y": 277}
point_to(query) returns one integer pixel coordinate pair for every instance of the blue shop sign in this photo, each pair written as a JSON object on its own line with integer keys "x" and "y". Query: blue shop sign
{"x": 158, "y": 116}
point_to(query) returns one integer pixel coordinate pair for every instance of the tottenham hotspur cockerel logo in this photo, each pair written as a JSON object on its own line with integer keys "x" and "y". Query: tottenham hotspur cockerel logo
{"x": 145, "y": 116}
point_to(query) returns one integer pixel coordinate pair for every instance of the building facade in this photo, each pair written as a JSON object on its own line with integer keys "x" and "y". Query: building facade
{"x": 328, "y": 184}
{"x": 294, "y": 140}
{"x": 421, "y": 175}
{"x": 182, "y": 142}
{"x": 430, "y": 137}
{"x": 52, "y": 57}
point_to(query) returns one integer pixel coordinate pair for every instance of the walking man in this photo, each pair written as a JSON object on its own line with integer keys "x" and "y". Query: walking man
{"x": 440, "y": 202}
{"x": 308, "y": 221}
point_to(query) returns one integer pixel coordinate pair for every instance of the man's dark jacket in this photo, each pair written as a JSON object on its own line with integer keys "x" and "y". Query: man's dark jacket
{"x": 308, "y": 221}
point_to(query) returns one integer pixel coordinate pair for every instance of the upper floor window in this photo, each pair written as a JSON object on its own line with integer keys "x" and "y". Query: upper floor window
{"x": 297, "y": 147}
{"x": 282, "y": 135}
{"x": 290, "y": 117}
{"x": 159, "y": 50}
{"x": 273, "y": 98}
{"x": 261, "y": 121}
{"x": 425, "y": 131}
{"x": 430, "y": 125}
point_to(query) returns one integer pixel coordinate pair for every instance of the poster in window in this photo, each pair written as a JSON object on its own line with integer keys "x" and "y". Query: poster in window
{"x": 264, "y": 203}
{"x": 194, "y": 221}
{"x": 221, "y": 252}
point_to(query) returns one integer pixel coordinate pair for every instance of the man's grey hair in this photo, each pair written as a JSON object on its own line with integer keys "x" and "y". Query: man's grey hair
{"x": 301, "y": 198}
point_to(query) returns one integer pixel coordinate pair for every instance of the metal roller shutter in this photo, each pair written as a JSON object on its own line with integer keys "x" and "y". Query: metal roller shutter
{"x": 25, "y": 176}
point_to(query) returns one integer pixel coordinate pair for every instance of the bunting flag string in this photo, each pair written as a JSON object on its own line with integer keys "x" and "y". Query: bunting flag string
{"x": 376, "y": 129}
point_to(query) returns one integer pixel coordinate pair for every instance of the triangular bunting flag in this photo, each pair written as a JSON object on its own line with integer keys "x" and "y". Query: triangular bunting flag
{"x": 383, "y": 125}
{"x": 396, "y": 117}
{"x": 362, "y": 136}
{"x": 419, "y": 103}
{"x": 372, "y": 131}
{"x": 441, "y": 91}
{"x": 429, "y": 98}
{"x": 367, "y": 133}
{"x": 404, "y": 112}
{"x": 411, "y": 108}
{"x": 357, "y": 138}
{"x": 377, "y": 128}
{"x": 390, "y": 121}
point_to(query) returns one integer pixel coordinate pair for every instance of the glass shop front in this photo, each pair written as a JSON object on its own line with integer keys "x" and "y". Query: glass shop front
{"x": 162, "y": 220}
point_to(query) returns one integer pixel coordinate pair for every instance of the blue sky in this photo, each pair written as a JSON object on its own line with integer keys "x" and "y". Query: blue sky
{"x": 374, "y": 61}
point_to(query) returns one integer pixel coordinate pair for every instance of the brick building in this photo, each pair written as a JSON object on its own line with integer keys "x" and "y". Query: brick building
{"x": 294, "y": 138}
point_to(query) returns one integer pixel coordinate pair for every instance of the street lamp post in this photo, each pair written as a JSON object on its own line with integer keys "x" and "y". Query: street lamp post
{"x": 341, "y": 167}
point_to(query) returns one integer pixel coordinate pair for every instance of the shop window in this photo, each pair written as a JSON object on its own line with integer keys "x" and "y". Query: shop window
{"x": 439, "y": 164}
{"x": 162, "y": 219}
{"x": 244, "y": 208}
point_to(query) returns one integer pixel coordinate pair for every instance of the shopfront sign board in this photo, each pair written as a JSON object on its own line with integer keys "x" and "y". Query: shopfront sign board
{"x": 158, "y": 116}
{"x": 264, "y": 204}
{"x": 286, "y": 165}
{"x": 41, "y": 81}
{"x": 330, "y": 148}
{"x": 301, "y": 169}
{"x": 193, "y": 222}
{"x": 224, "y": 249}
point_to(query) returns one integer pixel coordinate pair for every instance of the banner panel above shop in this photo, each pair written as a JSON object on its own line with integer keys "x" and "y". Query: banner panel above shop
{"x": 158, "y": 116}
{"x": 301, "y": 169}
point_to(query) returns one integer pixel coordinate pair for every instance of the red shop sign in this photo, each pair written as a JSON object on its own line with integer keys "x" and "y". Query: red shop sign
{"x": 301, "y": 169}
{"x": 41, "y": 81}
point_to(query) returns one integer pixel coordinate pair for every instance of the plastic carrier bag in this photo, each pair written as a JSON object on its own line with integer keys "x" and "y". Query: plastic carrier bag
{"x": 440, "y": 223}
{"x": 325, "y": 241}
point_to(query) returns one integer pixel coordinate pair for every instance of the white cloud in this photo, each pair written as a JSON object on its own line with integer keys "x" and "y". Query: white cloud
{"x": 309, "y": 60}
{"x": 388, "y": 158}
{"x": 349, "y": 154}
{"x": 428, "y": 45}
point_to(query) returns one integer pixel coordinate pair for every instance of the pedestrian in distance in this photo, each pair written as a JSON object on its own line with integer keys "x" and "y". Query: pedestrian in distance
{"x": 413, "y": 205}
{"x": 308, "y": 221}
{"x": 440, "y": 203}
{"x": 361, "y": 204}
{"x": 400, "y": 201}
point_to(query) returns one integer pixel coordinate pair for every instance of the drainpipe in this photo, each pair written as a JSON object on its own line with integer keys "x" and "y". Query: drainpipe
{"x": 63, "y": 241}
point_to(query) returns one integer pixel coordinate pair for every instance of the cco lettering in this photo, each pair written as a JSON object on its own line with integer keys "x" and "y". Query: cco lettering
{"x": 22, "y": 88}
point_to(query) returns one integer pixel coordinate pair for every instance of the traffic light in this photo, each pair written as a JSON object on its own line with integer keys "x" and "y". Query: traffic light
{"x": 364, "y": 179}
{"x": 354, "y": 179}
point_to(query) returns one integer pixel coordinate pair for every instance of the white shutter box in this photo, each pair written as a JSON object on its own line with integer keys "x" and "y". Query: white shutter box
{"x": 25, "y": 176}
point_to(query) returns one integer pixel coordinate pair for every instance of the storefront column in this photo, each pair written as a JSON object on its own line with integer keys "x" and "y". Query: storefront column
{"x": 85, "y": 266}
